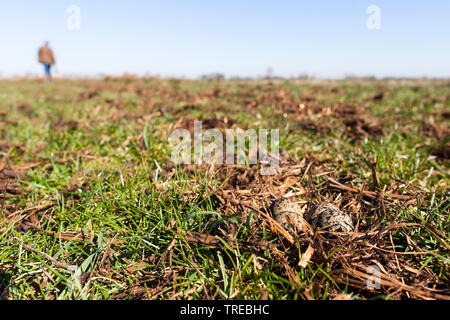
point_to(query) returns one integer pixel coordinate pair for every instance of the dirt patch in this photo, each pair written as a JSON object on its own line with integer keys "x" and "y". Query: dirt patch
{"x": 87, "y": 95}
{"x": 221, "y": 124}
{"x": 66, "y": 124}
{"x": 358, "y": 120}
{"x": 441, "y": 137}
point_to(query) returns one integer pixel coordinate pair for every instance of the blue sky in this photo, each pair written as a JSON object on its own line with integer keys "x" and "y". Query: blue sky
{"x": 189, "y": 38}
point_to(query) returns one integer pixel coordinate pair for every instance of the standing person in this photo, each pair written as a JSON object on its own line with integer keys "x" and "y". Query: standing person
{"x": 47, "y": 58}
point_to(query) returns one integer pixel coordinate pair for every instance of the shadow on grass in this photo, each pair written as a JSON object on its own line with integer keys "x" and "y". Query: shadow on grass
{"x": 5, "y": 279}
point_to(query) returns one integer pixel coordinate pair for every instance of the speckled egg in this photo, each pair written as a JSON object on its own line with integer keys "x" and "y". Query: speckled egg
{"x": 328, "y": 217}
{"x": 282, "y": 209}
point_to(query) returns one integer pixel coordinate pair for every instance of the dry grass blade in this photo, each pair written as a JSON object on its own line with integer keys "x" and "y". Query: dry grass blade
{"x": 273, "y": 225}
{"x": 388, "y": 281}
{"x": 71, "y": 268}
{"x": 201, "y": 238}
{"x": 5, "y": 159}
{"x": 73, "y": 236}
{"x": 306, "y": 257}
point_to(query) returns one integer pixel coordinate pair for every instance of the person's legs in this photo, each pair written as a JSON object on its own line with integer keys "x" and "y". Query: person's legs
{"x": 48, "y": 74}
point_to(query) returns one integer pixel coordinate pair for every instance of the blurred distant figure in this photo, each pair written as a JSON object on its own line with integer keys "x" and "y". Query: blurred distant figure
{"x": 47, "y": 58}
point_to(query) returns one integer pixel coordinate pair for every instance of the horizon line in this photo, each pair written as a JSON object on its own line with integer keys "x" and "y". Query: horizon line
{"x": 217, "y": 76}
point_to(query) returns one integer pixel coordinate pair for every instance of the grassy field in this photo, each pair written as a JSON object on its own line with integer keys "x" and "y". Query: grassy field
{"x": 93, "y": 208}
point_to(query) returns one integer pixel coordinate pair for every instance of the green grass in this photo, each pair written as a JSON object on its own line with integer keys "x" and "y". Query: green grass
{"x": 100, "y": 175}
